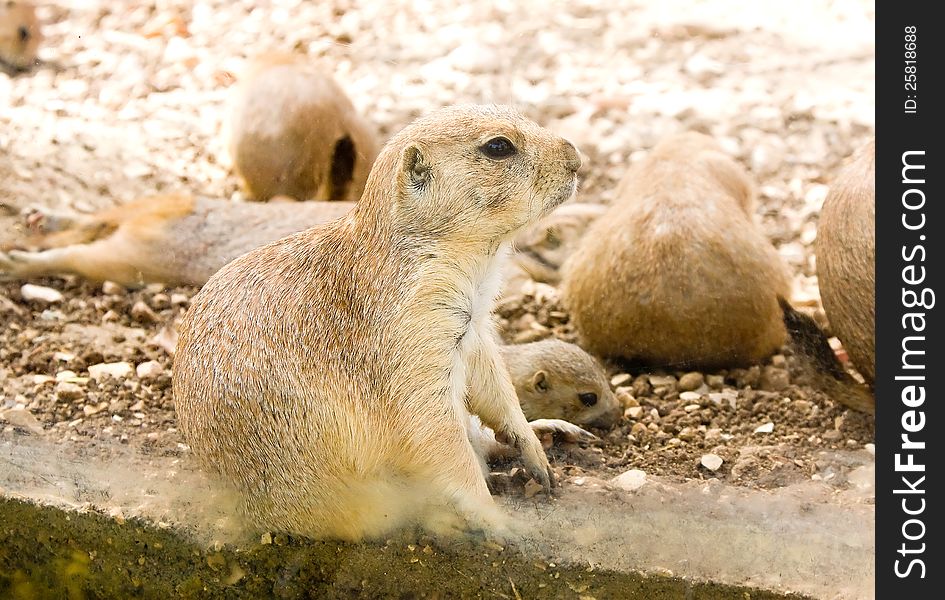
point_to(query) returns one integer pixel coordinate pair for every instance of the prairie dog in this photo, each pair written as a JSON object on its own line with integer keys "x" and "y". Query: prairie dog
{"x": 20, "y": 35}
{"x": 846, "y": 251}
{"x": 558, "y": 380}
{"x": 172, "y": 239}
{"x": 676, "y": 272}
{"x": 292, "y": 131}
{"x": 329, "y": 376}
{"x": 178, "y": 239}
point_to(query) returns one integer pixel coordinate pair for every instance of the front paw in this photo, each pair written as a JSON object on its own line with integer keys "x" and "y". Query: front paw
{"x": 534, "y": 459}
{"x": 565, "y": 430}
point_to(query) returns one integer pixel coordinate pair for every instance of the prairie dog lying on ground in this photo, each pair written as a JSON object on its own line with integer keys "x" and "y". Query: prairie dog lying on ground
{"x": 178, "y": 239}
{"x": 676, "y": 273}
{"x": 20, "y": 36}
{"x": 329, "y": 376}
{"x": 558, "y": 380}
{"x": 846, "y": 259}
{"x": 292, "y": 131}
{"x": 174, "y": 239}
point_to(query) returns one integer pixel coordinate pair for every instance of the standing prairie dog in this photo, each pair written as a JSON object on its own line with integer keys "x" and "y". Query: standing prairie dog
{"x": 19, "y": 35}
{"x": 676, "y": 272}
{"x": 171, "y": 239}
{"x": 846, "y": 250}
{"x": 293, "y": 132}
{"x": 329, "y": 376}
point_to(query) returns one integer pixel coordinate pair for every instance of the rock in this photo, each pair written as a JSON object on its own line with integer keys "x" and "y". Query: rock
{"x": 716, "y": 382}
{"x": 691, "y": 381}
{"x": 111, "y": 288}
{"x": 691, "y": 408}
{"x": 725, "y": 397}
{"x": 22, "y": 419}
{"x": 690, "y": 396}
{"x": 630, "y": 481}
{"x": 532, "y": 488}
{"x": 39, "y": 293}
{"x": 149, "y": 370}
{"x": 662, "y": 380}
{"x": 774, "y": 379}
{"x": 620, "y": 379}
{"x": 65, "y": 375}
{"x": 118, "y": 370}
{"x": 142, "y": 313}
{"x": 626, "y": 399}
{"x": 63, "y": 356}
{"x": 747, "y": 377}
{"x": 766, "y": 428}
{"x": 633, "y": 412}
{"x": 638, "y": 429}
{"x": 711, "y": 462}
{"x": 67, "y": 391}
{"x": 179, "y": 299}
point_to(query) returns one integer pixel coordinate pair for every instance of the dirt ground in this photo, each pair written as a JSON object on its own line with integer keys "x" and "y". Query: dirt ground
{"x": 131, "y": 99}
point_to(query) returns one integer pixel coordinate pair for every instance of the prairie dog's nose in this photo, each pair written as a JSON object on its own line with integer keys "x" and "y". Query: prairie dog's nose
{"x": 571, "y": 157}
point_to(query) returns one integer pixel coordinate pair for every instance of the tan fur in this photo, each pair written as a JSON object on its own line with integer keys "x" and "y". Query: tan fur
{"x": 329, "y": 376}
{"x": 846, "y": 250}
{"x": 551, "y": 375}
{"x": 171, "y": 239}
{"x": 20, "y": 35}
{"x": 292, "y": 130}
{"x": 676, "y": 272}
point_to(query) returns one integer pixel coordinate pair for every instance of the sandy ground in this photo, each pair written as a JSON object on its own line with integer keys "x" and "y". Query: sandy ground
{"x": 131, "y": 100}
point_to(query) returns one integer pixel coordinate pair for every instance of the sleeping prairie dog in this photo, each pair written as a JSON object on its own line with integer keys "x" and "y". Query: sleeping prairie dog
{"x": 329, "y": 376}
{"x": 173, "y": 239}
{"x": 676, "y": 272}
{"x": 177, "y": 239}
{"x": 558, "y": 380}
{"x": 846, "y": 250}
{"x": 292, "y": 131}
{"x": 20, "y": 35}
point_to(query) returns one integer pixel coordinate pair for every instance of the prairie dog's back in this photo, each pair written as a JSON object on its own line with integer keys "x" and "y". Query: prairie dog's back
{"x": 678, "y": 265}
{"x": 293, "y": 131}
{"x": 20, "y": 35}
{"x": 846, "y": 249}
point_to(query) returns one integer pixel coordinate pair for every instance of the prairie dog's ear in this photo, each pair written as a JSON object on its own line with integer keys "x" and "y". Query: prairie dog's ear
{"x": 540, "y": 381}
{"x": 415, "y": 170}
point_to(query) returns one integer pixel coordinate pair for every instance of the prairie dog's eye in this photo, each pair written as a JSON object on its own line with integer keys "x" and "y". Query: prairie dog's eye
{"x": 24, "y": 33}
{"x": 498, "y": 148}
{"x": 588, "y": 398}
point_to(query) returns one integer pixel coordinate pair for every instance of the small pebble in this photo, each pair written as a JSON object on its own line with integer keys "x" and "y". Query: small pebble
{"x": 630, "y": 481}
{"x": 690, "y": 396}
{"x": 110, "y": 288}
{"x": 711, "y": 462}
{"x": 23, "y": 419}
{"x": 691, "y": 381}
{"x": 39, "y": 293}
{"x": 149, "y": 370}
{"x": 142, "y": 313}
{"x": 620, "y": 379}
{"x": 118, "y": 370}
{"x": 67, "y": 392}
{"x": 766, "y": 428}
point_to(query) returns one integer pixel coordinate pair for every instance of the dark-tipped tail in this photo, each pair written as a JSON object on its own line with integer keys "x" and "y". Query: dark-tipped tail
{"x": 815, "y": 355}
